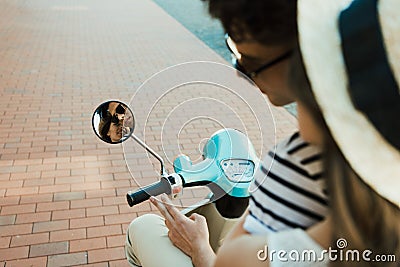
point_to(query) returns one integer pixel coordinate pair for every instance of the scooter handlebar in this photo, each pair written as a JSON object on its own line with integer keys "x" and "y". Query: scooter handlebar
{"x": 155, "y": 189}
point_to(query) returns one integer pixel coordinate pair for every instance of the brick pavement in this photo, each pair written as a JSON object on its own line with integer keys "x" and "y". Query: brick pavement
{"x": 62, "y": 191}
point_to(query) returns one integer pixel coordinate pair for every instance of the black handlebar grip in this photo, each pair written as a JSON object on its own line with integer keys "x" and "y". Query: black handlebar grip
{"x": 155, "y": 189}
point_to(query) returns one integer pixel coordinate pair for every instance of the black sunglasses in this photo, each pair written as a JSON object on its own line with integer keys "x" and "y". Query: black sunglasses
{"x": 115, "y": 120}
{"x": 236, "y": 55}
{"x": 120, "y": 109}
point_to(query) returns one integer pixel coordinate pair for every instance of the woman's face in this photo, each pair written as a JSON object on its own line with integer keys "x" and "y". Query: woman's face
{"x": 274, "y": 83}
{"x": 115, "y": 132}
{"x": 273, "y": 80}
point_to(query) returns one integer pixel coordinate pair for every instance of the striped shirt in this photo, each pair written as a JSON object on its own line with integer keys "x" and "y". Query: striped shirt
{"x": 289, "y": 190}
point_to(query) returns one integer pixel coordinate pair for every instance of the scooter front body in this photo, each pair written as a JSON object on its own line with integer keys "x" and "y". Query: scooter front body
{"x": 229, "y": 162}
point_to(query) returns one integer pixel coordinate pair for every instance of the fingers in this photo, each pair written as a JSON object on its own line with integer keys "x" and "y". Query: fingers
{"x": 171, "y": 209}
{"x": 198, "y": 218}
{"x": 167, "y": 209}
{"x": 179, "y": 242}
{"x": 161, "y": 207}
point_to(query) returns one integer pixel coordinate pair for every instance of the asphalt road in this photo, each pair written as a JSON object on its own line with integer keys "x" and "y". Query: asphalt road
{"x": 193, "y": 14}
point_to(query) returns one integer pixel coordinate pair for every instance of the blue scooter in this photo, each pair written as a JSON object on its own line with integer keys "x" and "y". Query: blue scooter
{"x": 227, "y": 169}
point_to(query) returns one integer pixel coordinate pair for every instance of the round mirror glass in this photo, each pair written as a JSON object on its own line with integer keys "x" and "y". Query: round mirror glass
{"x": 113, "y": 122}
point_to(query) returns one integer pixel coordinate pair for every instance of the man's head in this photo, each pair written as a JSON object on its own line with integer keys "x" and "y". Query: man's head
{"x": 262, "y": 31}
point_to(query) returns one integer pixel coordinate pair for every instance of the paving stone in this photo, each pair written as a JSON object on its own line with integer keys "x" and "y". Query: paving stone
{"x": 48, "y": 249}
{"x": 58, "y": 182}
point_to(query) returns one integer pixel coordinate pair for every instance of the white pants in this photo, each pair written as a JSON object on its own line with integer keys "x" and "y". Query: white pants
{"x": 148, "y": 244}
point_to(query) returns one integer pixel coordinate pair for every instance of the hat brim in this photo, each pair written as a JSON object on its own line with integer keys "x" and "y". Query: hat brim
{"x": 368, "y": 153}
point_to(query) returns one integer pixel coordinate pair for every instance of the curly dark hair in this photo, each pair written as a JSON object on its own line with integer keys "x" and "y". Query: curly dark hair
{"x": 269, "y": 22}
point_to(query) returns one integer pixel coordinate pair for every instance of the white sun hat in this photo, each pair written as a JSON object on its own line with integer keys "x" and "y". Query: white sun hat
{"x": 351, "y": 52}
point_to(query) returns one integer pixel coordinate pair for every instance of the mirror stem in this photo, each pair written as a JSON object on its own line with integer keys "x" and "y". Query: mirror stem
{"x": 163, "y": 171}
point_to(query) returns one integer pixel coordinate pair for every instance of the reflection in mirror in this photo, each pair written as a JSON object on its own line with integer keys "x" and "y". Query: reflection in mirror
{"x": 113, "y": 122}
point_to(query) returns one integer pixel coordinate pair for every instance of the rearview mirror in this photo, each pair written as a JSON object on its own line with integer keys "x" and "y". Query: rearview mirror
{"x": 113, "y": 122}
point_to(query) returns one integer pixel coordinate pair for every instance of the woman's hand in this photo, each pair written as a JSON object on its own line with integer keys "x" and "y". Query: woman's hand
{"x": 189, "y": 234}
